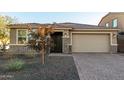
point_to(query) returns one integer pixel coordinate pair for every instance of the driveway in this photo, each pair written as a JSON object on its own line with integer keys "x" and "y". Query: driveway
{"x": 100, "y": 66}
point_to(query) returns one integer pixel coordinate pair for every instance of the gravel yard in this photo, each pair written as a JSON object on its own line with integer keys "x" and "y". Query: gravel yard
{"x": 56, "y": 68}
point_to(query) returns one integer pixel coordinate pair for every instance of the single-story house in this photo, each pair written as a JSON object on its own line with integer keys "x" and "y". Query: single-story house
{"x": 69, "y": 38}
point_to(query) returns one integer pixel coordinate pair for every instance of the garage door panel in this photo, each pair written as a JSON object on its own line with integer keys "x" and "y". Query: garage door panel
{"x": 90, "y": 43}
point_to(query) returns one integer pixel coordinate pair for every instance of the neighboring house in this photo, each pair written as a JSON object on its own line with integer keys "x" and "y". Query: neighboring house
{"x": 68, "y": 38}
{"x": 115, "y": 20}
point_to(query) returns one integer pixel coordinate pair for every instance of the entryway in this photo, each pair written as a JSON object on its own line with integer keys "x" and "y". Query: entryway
{"x": 56, "y": 42}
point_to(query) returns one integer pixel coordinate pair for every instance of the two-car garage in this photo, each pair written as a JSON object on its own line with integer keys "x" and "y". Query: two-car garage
{"x": 90, "y": 42}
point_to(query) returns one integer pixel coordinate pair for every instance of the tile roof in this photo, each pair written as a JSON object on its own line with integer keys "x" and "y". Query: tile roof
{"x": 57, "y": 25}
{"x": 81, "y": 26}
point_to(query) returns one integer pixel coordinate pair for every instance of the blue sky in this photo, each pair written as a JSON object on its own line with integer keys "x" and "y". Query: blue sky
{"x": 50, "y": 17}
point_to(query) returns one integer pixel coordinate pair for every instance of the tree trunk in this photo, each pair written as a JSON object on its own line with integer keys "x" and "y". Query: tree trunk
{"x": 4, "y": 48}
{"x": 42, "y": 56}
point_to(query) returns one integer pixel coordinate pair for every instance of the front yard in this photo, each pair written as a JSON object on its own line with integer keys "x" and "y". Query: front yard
{"x": 56, "y": 68}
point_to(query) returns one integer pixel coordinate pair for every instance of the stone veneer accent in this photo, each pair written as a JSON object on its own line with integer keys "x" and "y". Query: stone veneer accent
{"x": 20, "y": 49}
{"x": 113, "y": 49}
{"x": 66, "y": 42}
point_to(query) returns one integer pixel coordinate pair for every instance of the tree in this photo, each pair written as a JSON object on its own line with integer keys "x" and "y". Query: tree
{"x": 4, "y": 32}
{"x": 4, "y": 39}
{"x": 40, "y": 40}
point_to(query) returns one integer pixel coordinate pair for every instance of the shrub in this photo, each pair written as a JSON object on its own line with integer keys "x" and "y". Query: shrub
{"x": 15, "y": 65}
{"x": 30, "y": 54}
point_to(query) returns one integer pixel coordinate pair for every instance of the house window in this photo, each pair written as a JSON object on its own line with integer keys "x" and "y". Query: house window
{"x": 22, "y": 36}
{"x": 107, "y": 24}
{"x": 114, "y": 23}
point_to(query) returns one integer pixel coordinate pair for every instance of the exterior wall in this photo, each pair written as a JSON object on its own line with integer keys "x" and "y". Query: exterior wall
{"x": 14, "y": 47}
{"x": 13, "y": 36}
{"x": 113, "y": 45}
{"x": 114, "y": 37}
{"x": 109, "y": 17}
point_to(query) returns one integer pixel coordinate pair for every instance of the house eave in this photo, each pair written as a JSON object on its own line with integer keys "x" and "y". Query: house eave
{"x": 34, "y": 27}
{"x": 63, "y": 28}
{"x": 99, "y": 29}
{"x": 22, "y": 26}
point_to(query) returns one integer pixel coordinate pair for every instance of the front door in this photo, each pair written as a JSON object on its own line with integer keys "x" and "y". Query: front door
{"x": 56, "y": 42}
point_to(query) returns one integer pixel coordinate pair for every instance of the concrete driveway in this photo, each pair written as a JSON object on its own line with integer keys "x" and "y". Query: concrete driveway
{"x": 100, "y": 66}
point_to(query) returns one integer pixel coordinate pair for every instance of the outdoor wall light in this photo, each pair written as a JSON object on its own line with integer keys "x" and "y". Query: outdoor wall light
{"x": 66, "y": 35}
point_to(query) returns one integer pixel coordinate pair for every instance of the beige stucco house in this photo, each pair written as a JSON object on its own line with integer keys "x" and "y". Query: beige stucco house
{"x": 69, "y": 38}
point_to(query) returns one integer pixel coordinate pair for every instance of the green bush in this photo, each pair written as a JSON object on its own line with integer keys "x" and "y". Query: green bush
{"x": 30, "y": 54}
{"x": 15, "y": 65}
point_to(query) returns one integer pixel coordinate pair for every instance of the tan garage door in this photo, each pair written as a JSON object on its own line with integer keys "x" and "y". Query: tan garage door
{"x": 90, "y": 43}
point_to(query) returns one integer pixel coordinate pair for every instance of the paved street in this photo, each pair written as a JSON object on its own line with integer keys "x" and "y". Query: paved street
{"x": 100, "y": 66}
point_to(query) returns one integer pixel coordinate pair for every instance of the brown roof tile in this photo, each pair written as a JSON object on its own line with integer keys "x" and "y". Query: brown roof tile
{"x": 57, "y": 25}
